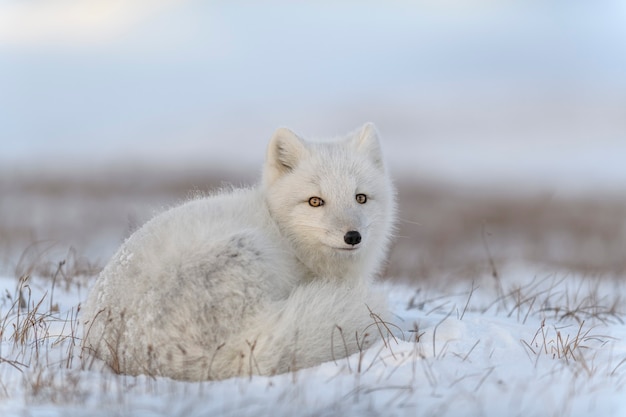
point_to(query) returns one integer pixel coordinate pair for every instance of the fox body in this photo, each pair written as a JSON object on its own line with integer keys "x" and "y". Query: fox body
{"x": 260, "y": 280}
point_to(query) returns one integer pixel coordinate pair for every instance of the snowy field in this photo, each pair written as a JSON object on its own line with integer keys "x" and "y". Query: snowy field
{"x": 502, "y": 305}
{"x": 527, "y": 342}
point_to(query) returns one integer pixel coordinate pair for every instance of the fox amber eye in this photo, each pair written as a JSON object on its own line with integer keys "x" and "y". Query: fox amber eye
{"x": 316, "y": 202}
{"x": 361, "y": 198}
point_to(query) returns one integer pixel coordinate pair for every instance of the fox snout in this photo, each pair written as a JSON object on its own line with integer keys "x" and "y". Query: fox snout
{"x": 352, "y": 238}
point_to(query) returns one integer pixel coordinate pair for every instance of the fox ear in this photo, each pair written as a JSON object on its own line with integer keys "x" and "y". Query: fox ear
{"x": 365, "y": 140}
{"x": 284, "y": 153}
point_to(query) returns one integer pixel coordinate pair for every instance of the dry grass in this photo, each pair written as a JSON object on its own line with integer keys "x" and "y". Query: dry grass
{"x": 444, "y": 232}
{"x": 33, "y": 321}
{"x": 450, "y": 232}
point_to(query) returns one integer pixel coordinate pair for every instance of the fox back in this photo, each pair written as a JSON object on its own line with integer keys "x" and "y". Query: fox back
{"x": 253, "y": 280}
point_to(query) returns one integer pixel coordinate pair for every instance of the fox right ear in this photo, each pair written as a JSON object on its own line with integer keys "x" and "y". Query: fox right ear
{"x": 365, "y": 140}
{"x": 284, "y": 152}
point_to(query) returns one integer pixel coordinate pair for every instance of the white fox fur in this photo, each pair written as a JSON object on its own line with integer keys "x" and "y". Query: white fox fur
{"x": 253, "y": 281}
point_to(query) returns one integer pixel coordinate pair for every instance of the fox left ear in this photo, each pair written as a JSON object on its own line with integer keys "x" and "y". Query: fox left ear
{"x": 284, "y": 153}
{"x": 366, "y": 141}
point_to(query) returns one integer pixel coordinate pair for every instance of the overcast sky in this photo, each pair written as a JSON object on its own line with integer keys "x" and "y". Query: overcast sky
{"x": 451, "y": 85}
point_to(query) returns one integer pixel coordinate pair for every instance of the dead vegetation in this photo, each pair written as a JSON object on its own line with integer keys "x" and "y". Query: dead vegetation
{"x": 444, "y": 232}
{"x": 451, "y": 233}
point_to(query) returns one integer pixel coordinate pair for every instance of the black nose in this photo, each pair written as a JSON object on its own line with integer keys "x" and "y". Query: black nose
{"x": 352, "y": 238}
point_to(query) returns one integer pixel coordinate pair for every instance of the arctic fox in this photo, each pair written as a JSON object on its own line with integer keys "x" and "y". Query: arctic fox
{"x": 259, "y": 280}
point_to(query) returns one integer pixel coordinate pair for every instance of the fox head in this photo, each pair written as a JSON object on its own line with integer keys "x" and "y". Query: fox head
{"x": 333, "y": 201}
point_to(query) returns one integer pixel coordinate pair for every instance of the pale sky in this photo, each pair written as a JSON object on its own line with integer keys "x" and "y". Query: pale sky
{"x": 168, "y": 80}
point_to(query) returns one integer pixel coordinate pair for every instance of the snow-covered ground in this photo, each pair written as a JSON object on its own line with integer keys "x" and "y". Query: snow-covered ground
{"x": 531, "y": 343}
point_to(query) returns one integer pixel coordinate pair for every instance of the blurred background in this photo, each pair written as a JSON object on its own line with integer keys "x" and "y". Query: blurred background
{"x": 503, "y": 122}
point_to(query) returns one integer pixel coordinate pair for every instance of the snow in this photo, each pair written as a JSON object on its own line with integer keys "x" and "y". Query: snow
{"x": 531, "y": 343}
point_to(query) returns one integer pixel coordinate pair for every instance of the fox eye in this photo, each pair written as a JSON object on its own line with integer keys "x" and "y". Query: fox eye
{"x": 316, "y": 202}
{"x": 361, "y": 198}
